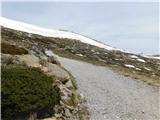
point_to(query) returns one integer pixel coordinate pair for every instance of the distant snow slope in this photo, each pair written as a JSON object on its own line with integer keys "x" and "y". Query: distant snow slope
{"x": 50, "y": 33}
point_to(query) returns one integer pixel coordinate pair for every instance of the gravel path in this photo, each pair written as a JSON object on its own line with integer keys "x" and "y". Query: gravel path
{"x": 111, "y": 96}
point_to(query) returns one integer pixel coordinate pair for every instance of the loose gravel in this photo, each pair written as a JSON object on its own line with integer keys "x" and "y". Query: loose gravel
{"x": 111, "y": 96}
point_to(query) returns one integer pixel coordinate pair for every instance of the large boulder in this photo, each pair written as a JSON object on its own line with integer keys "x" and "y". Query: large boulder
{"x": 59, "y": 72}
{"x": 7, "y": 59}
{"x": 53, "y": 60}
{"x": 30, "y": 60}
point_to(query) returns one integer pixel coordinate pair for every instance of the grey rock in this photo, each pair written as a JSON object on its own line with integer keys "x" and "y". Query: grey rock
{"x": 58, "y": 71}
{"x": 69, "y": 84}
{"x": 53, "y": 60}
{"x": 64, "y": 91}
{"x": 7, "y": 59}
{"x": 10, "y": 59}
{"x": 67, "y": 112}
{"x": 30, "y": 60}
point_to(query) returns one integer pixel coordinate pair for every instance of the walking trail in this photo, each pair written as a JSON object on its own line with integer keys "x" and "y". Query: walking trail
{"x": 111, "y": 96}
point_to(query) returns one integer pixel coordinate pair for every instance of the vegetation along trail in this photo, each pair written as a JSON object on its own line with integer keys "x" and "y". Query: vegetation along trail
{"x": 111, "y": 96}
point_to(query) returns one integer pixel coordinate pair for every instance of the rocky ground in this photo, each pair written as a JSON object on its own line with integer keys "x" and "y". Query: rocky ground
{"x": 70, "y": 106}
{"x": 136, "y": 66}
{"x": 111, "y": 96}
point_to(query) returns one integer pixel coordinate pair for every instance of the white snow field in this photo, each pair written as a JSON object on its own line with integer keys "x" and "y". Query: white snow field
{"x": 50, "y": 32}
{"x": 16, "y": 25}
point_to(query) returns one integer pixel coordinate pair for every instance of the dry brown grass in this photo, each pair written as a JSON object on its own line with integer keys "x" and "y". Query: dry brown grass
{"x": 6, "y": 48}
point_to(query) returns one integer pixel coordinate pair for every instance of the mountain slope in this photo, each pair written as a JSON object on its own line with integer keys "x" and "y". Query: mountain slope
{"x": 136, "y": 66}
{"x": 50, "y": 33}
{"x": 109, "y": 95}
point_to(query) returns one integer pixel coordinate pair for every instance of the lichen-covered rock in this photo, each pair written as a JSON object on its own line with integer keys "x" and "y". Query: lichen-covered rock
{"x": 64, "y": 91}
{"x": 66, "y": 106}
{"x": 55, "y": 70}
{"x": 6, "y": 59}
{"x": 53, "y": 60}
{"x": 67, "y": 112}
{"x": 30, "y": 60}
{"x": 69, "y": 84}
{"x": 10, "y": 59}
{"x": 43, "y": 60}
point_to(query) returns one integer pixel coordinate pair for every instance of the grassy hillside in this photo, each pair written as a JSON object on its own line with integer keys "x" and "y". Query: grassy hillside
{"x": 142, "y": 68}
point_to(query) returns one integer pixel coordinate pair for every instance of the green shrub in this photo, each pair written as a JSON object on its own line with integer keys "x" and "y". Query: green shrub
{"x": 26, "y": 90}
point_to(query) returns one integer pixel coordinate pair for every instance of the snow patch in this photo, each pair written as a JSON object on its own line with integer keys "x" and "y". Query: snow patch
{"x": 49, "y": 53}
{"x": 133, "y": 56}
{"x": 141, "y": 60}
{"x": 129, "y": 66}
{"x": 147, "y": 68}
{"x": 137, "y": 68}
{"x": 156, "y": 58}
{"x": 79, "y": 55}
{"x": 151, "y": 57}
{"x": 51, "y": 33}
{"x": 132, "y": 66}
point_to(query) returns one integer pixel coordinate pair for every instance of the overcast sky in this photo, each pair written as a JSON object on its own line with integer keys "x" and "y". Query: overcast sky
{"x": 132, "y": 26}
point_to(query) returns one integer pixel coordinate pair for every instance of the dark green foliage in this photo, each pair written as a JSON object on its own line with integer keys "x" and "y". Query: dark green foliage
{"x": 25, "y": 90}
